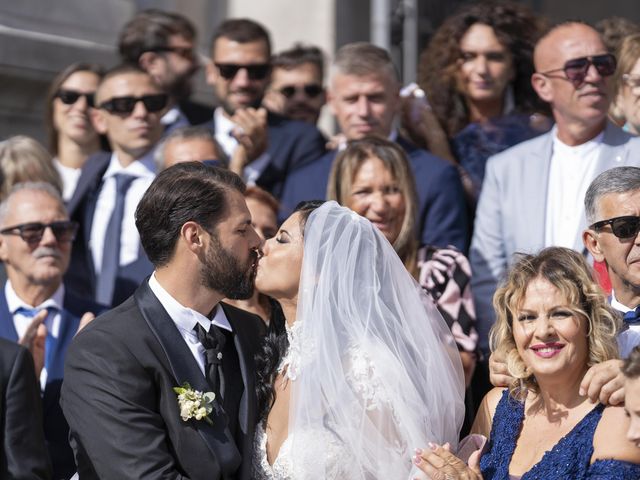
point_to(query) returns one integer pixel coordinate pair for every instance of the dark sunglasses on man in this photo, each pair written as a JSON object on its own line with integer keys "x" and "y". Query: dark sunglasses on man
{"x": 576, "y": 69}
{"x": 624, "y": 227}
{"x": 311, "y": 90}
{"x": 69, "y": 97}
{"x": 126, "y": 105}
{"x": 32, "y": 233}
{"x": 255, "y": 71}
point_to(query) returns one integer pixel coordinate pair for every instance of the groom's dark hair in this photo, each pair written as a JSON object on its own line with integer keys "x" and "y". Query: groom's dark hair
{"x": 190, "y": 191}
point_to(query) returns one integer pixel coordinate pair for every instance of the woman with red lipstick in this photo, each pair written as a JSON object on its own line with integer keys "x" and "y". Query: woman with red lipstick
{"x": 553, "y": 323}
{"x": 476, "y": 73}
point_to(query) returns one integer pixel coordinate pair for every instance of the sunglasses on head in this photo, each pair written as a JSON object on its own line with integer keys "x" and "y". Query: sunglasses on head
{"x": 69, "y": 97}
{"x": 256, "y": 71}
{"x": 622, "y": 227}
{"x": 576, "y": 69}
{"x": 32, "y": 233}
{"x": 126, "y": 105}
{"x": 185, "y": 52}
{"x": 311, "y": 90}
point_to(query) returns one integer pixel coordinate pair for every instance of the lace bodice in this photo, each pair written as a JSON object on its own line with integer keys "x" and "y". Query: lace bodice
{"x": 335, "y": 457}
{"x": 326, "y": 450}
{"x": 569, "y": 458}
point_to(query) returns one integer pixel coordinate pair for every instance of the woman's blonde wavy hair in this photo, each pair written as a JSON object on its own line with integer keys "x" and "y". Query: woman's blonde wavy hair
{"x": 567, "y": 271}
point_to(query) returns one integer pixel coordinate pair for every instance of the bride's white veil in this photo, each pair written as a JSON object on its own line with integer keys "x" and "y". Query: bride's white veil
{"x": 378, "y": 370}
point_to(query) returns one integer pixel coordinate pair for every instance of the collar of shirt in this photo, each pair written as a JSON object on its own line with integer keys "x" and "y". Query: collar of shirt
{"x": 224, "y": 126}
{"x": 393, "y": 137}
{"x": 172, "y": 115}
{"x": 577, "y": 150}
{"x": 186, "y": 318}
{"x": 14, "y": 302}
{"x": 617, "y": 305}
{"x": 142, "y": 167}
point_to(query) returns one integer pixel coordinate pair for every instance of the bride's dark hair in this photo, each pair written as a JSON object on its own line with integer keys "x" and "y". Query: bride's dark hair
{"x": 275, "y": 344}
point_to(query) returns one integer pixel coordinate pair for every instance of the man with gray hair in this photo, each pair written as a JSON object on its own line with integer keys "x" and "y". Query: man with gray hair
{"x": 35, "y": 308}
{"x": 612, "y": 206}
{"x": 187, "y": 144}
{"x": 364, "y": 95}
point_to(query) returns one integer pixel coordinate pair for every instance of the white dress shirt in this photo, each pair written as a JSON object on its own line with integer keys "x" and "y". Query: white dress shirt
{"x": 174, "y": 118}
{"x": 228, "y": 142}
{"x": 144, "y": 170}
{"x": 69, "y": 178}
{"x": 629, "y": 338}
{"x": 21, "y": 322}
{"x": 186, "y": 319}
{"x": 571, "y": 171}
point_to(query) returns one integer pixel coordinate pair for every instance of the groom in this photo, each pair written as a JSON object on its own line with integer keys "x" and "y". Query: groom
{"x": 126, "y": 419}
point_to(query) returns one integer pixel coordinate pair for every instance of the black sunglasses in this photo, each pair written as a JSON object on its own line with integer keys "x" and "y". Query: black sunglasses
{"x": 576, "y": 69}
{"x": 69, "y": 97}
{"x": 185, "y": 52}
{"x": 125, "y": 105}
{"x": 256, "y": 71}
{"x": 32, "y": 232}
{"x": 311, "y": 90}
{"x": 622, "y": 227}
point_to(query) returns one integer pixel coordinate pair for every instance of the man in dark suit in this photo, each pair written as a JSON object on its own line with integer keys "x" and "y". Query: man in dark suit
{"x": 23, "y": 453}
{"x": 364, "y": 96}
{"x": 108, "y": 263}
{"x": 163, "y": 45}
{"x": 126, "y": 419}
{"x": 263, "y": 147}
{"x": 35, "y": 307}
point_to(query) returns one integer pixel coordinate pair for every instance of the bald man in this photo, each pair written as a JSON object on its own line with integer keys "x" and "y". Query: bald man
{"x": 532, "y": 193}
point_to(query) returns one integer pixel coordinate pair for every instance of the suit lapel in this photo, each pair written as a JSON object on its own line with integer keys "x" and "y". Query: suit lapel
{"x": 535, "y": 184}
{"x": 7, "y": 328}
{"x": 185, "y": 369}
{"x": 245, "y": 412}
{"x": 613, "y": 153}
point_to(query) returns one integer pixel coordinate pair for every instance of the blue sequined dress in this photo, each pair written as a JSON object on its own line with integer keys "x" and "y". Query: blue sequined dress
{"x": 569, "y": 458}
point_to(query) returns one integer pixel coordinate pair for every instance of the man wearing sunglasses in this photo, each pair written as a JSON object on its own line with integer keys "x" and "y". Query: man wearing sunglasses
{"x": 164, "y": 45}
{"x": 296, "y": 90}
{"x": 108, "y": 263}
{"x": 262, "y": 146}
{"x": 530, "y": 191}
{"x": 36, "y": 309}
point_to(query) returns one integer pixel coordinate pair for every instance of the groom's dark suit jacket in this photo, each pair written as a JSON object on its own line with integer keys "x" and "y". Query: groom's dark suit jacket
{"x": 123, "y": 413}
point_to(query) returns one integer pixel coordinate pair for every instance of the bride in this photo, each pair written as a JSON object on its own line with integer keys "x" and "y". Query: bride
{"x": 362, "y": 374}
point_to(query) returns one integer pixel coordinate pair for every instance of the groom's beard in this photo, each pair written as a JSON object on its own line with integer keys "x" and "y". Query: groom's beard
{"x": 222, "y": 271}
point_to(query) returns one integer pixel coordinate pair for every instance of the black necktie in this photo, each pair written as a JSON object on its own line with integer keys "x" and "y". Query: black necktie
{"x": 213, "y": 343}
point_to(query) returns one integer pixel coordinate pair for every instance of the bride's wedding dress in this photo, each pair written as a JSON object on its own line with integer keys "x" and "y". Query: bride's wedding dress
{"x": 373, "y": 374}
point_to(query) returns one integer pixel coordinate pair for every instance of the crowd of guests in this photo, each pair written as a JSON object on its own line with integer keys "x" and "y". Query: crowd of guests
{"x": 518, "y": 137}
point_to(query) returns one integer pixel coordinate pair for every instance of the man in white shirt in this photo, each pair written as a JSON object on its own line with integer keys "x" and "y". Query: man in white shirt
{"x": 272, "y": 146}
{"x": 530, "y": 195}
{"x": 35, "y": 308}
{"x": 108, "y": 262}
{"x": 122, "y": 371}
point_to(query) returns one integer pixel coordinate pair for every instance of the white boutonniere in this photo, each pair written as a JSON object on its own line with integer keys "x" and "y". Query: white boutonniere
{"x": 194, "y": 404}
